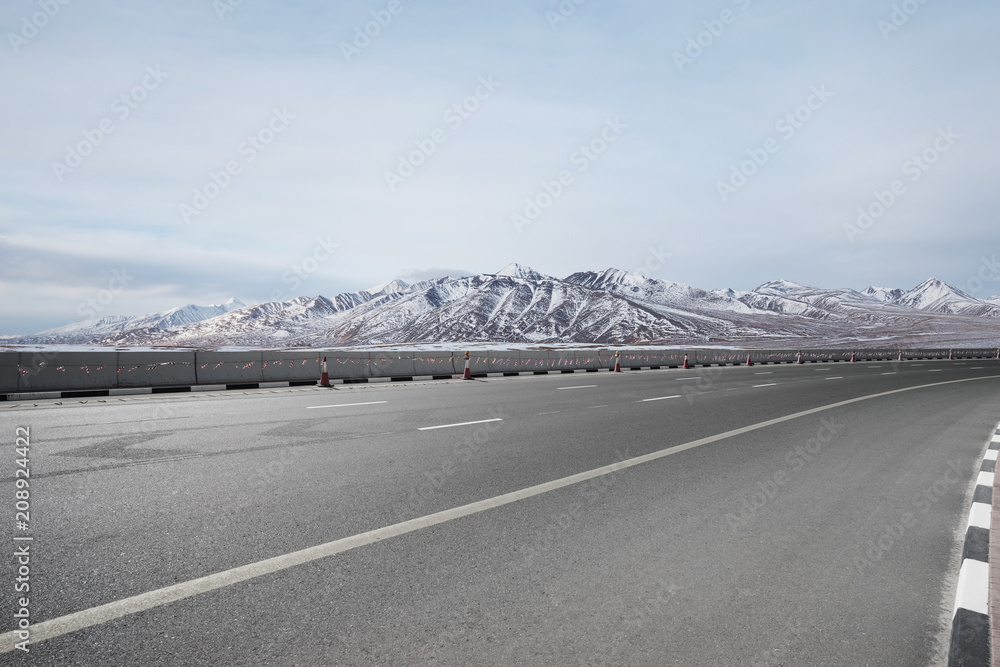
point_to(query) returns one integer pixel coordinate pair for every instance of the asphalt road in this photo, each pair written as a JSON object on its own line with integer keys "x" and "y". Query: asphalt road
{"x": 828, "y": 538}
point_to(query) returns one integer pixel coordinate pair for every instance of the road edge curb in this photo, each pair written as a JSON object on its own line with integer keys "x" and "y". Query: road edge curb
{"x": 970, "y": 625}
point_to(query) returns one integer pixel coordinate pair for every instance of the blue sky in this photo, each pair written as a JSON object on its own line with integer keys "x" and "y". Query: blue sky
{"x": 265, "y": 149}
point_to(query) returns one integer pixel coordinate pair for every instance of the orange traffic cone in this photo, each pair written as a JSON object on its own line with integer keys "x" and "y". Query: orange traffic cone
{"x": 324, "y": 377}
{"x": 468, "y": 368}
{"x": 749, "y": 360}
{"x": 687, "y": 366}
{"x": 618, "y": 362}
{"x": 853, "y": 357}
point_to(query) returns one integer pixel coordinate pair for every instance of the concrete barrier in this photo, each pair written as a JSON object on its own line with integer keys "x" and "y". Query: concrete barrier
{"x": 292, "y": 366}
{"x": 9, "y": 373}
{"x": 156, "y": 369}
{"x": 94, "y": 371}
{"x": 434, "y": 363}
{"x": 391, "y": 364}
{"x": 534, "y": 361}
{"x": 503, "y": 361}
{"x": 589, "y": 360}
{"x": 229, "y": 367}
{"x": 67, "y": 370}
{"x": 349, "y": 365}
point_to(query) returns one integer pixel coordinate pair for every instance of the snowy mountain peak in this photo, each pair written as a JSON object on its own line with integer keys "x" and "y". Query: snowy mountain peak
{"x": 936, "y": 295}
{"x": 516, "y": 270}
{"x": 883, "y": 294}
{"x": 781, "y": 287}
{"x": 391, "y": 287}
{"x": 609, "y": 279}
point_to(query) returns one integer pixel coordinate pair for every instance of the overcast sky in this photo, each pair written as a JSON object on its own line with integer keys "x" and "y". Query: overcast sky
{"x": 189, "y": 151}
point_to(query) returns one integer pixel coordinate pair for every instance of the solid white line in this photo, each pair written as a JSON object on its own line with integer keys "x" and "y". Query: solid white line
{"x": 481, "y": 421}
{"x": 973, "y": 586}
{"x": 342, "y": 405}
{"x": 661, "y": 398}
{"x": 582, "y": 386}
{"x": 765, "y": 385}
{"x": 979, "y": 515}
{"x": 110, "y": 611}
{"x": 836, "y": 377}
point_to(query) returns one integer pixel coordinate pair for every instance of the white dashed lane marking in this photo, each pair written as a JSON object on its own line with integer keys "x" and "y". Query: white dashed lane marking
{"x": 772, "y": 384}
{"x": 343, "y": 405}
{"x": 582, "y": 386}
{"x": 661, "y": 398}
{"x": 481, "y": 421}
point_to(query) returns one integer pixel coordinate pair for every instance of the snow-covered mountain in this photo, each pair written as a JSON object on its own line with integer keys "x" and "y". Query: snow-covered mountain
{"x": 520, "y": 305}
{"x": 85, "y": 331}
{"x": 936, "y": 296}
{"x": 883, "y": 294}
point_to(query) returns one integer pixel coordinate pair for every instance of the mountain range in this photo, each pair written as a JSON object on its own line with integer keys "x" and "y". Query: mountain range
{"x": 518, "y": 305}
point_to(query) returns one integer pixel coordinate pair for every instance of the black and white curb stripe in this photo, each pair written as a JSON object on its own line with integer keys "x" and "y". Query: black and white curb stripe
{"x": 970, "y": 626}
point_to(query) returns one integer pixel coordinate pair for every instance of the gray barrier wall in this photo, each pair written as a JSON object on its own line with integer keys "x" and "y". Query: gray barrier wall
{"x": 68, "y": 371}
